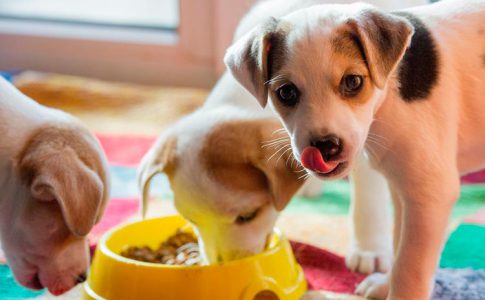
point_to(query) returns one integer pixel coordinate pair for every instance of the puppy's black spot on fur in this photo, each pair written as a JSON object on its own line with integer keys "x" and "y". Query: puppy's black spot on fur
{"x": 419, "y": 69}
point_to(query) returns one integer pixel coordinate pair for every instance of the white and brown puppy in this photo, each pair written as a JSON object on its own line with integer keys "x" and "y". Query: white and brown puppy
{"x": 54, "y": 186}
{"x": 231, "y": 171}
{"x": 408, "y": 87}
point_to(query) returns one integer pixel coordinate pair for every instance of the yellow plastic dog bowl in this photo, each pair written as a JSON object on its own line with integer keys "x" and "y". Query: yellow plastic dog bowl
{"x": 271, "y": 275}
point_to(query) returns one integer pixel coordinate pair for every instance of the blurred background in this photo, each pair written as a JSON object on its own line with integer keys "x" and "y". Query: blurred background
{"x": 163, "y": 42}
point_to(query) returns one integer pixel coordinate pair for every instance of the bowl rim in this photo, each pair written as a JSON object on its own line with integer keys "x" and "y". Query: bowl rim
{"x": 103, "y": 247}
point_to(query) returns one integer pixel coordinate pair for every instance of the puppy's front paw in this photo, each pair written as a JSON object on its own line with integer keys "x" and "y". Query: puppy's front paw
{"x": 375, "y": 286}
{"x": 368, "y": 262}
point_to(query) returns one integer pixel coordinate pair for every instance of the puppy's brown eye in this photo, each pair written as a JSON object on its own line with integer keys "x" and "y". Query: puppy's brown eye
{"x": 246, "y": 217}
{"x": 351, "y": 85}
{"x": 288, "y": 94}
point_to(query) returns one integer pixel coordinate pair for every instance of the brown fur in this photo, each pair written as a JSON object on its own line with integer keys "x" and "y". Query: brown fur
{"x": 234, "y": 156}
{"x": 65, "y": 156}
{"x": 384, "y": 40}
{"x": 345, "y": 43}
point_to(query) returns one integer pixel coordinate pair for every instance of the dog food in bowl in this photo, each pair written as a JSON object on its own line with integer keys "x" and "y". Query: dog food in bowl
{"x": 179, "y": 249}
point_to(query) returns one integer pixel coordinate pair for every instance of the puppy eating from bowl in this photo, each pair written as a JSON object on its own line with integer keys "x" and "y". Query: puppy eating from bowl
{"x": 231, "y": 170}
{"x": 54, "y": 183}
{"x": 406, "y": 87}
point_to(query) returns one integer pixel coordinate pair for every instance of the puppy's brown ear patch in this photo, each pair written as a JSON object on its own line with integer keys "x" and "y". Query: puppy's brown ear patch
{"x": 257, "y": 55}
{"x": 160, "y": 158}
{"x": 237, "y": 155}
{"x": 383, "y": 39}
{"x": 60, "y": 165}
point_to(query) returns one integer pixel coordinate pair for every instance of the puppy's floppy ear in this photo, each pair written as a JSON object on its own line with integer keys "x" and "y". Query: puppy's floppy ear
{"x": 247, "y": 59}
{"x": 60, "y": 175}
{"x": 160, "y": 158}
{"x": 383, "y": 38}
{"x": 283, "y": 184}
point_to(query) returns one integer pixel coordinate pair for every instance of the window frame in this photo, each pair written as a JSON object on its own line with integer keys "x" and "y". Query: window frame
{"x": 184, "y": 59}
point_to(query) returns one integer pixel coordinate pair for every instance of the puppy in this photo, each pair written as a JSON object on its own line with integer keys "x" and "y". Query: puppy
{"x": 407, "y": 87}
{"x": 54, "y": 183}
{"x": 231, "y": 170}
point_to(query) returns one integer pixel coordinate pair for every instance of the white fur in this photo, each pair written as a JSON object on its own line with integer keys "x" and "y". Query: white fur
{"x": 421, "y": 147}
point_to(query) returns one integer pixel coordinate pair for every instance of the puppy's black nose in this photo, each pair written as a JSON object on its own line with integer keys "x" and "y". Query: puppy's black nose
{"x": 81, "y": 278}
{"x": 330, "y": 146}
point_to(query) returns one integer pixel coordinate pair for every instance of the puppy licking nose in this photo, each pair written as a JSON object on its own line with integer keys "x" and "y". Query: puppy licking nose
{"x": 330, "y": 146}
{"x": 322, "y": 156}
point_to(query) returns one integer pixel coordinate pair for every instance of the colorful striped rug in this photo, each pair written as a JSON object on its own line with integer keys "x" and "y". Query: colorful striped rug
{"x": 314, "y": 224}
{"x": 462, "y": 261}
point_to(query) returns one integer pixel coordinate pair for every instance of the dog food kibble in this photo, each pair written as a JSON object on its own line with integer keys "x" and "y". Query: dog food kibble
{"x": 179, "y": 249}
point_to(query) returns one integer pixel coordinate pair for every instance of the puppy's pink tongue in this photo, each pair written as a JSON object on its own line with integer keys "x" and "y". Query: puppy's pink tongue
{"x": 312, "y": 159}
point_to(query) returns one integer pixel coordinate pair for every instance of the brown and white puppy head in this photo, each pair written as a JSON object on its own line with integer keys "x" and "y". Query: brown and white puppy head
{"x": 224, "y": 184}
{"x": 324, "y": 69}
{"x": 57, "y": 193}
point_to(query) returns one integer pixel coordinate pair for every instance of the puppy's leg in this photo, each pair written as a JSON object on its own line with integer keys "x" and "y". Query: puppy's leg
{"x": 376, "y": 285}
{"x": 427, "y": 203}
{"x": 424, "y": 222}
{"x": 312, "y": 187}
{"x": 371, "y": 249}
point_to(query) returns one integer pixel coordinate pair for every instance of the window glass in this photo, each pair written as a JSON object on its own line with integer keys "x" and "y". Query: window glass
{"x": 156, "y": 14}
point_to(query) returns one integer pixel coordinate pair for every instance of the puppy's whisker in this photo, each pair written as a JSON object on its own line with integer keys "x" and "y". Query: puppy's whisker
{"x": 381, "y": 121}
{"x": 286, "y": 151}
{"x": 304, "y": 176}
{"x": 370, "y": 152}
{"x": 288, "y": 159}
{"x": 378, "y": 142}
{"x": 276, "y": 145}
{"x": 377, "y": 139}
{"x": 377, "y": 136}
{"x": 279, "y": 78}
{"x": 291, "y": 159}
{"x": 279, "y": 145}
{"x": 274, "y": 154}
{"x": 382, "y": 146}
{"x": 276, "y": 140}
{"x": 297, "y": 163}
{"x": 279, "y": 131}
